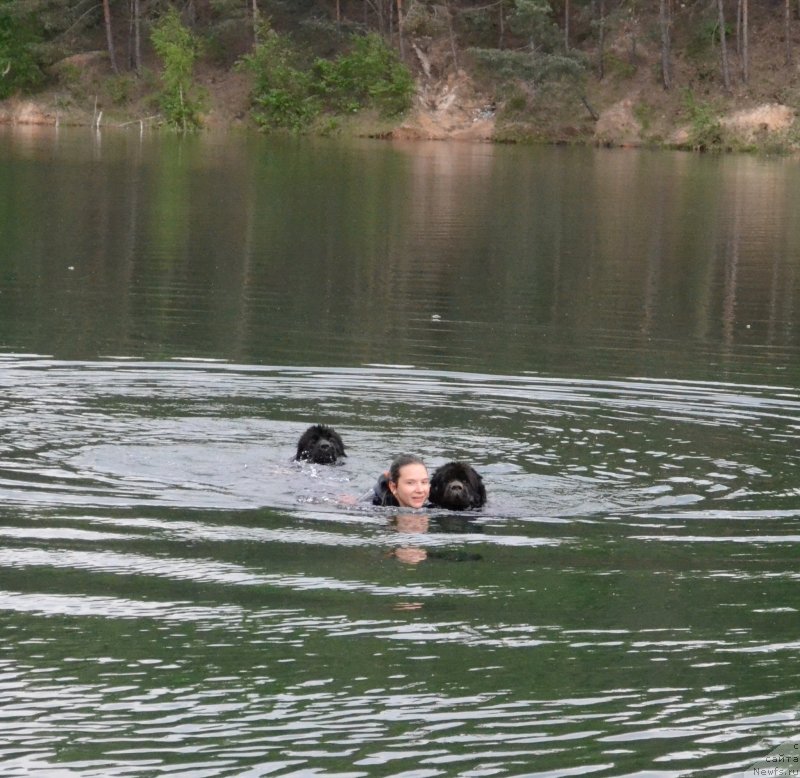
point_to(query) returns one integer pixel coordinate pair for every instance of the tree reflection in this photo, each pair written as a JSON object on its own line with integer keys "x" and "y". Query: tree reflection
{"x": 437, "y": 255}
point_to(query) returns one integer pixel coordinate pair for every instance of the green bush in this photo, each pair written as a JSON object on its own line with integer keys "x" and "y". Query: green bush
{"x": 289, "y": 96}
{"x": 120, "y": 89}
{"x": 19, "y": 66}
{"x": 282, "y": 91}
{"x": 515, "y": 104}
{"x": 370, "y": 75}
{"x": 178, "y": 49}
{"x": 617, "y": 67}
{"x": 643, "y": 112}
{"x": 705, "y": 130}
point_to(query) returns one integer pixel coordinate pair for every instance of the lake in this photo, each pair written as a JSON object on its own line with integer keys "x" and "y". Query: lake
{"x": 611, "y": 337}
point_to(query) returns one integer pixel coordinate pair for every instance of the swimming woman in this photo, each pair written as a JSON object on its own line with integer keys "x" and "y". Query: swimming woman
{"x": 404, "y": 485}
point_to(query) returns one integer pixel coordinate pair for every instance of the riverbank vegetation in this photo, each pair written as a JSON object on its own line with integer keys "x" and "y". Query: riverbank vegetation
{"x": 702, "y": 74}
{"x": 288, "y": 93}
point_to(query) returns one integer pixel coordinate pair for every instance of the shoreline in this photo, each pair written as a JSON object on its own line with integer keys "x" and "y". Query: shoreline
{"x": 764, "y": 129}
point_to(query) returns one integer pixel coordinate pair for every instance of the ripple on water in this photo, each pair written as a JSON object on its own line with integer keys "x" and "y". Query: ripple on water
{"x": 181, "y": 598}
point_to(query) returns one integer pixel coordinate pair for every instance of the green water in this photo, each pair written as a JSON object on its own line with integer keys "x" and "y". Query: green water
{"x": 610, "y": 337}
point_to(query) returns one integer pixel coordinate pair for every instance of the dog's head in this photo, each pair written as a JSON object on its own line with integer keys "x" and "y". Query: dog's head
{"x": 321, "y": 445}
{"x": 457, "y": 486}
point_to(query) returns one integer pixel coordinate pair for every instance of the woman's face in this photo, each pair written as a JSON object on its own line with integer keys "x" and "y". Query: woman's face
{"x": 412, "y": 486}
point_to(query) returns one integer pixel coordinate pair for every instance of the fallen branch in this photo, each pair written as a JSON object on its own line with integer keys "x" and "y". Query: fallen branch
{"x": 589, "y": 108}
{"x": 139, "y": 121}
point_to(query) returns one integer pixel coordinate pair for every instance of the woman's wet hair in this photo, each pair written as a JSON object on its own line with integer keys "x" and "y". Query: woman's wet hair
{"x": 401, "y": 462}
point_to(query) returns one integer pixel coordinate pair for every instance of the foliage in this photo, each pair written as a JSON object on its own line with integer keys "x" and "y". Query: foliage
{"x": 286, "y": 95}
{"x": 531, "y": 67}
{"x": 370, "y": 75}
{"x": 643, "y": 112}
{"x": 120, "y": 89}
{"x": 516, "y": 104}
{"x": 533, "y": 20}
{"x": 19, "y": 65}
{"x": 422, "y": 21}
{"x": 542, "y": 60}
{"x": 617, "y": 67}
{"x": 178, "y": 48}
{"x": 282, "y": 93}
{"x": 705, "y": 131}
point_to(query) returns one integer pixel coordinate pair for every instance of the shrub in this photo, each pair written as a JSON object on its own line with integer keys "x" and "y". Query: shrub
{"x": 370, "y": 75}
{"x": 120, "y": 88}
{"x": 705, "y": 130}
{"x": 643, "y": 112}
{"x": 178, "y": 48}
{"x": 19, "y": 66}
{"x": 282, "y": 91}
{"x": 287, "y": 95}
{"x": 617, "y": 67}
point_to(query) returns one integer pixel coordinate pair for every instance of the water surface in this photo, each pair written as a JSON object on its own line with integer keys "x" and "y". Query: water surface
{"x": 610, "y": 337}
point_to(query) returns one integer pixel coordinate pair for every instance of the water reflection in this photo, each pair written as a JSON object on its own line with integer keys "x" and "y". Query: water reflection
{"x": 472, "y": 256}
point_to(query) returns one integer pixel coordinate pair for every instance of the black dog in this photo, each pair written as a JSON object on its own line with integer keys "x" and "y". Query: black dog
{"x": 458, "y": 487}
{"x": 321, "y": 445}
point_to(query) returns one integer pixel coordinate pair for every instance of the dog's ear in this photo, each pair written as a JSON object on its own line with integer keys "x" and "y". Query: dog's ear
{"x": 306, "y": 439}
{"x": 337, "y": 438}
{"x": 301, "y": 445}
{"x": 480, "y": 489}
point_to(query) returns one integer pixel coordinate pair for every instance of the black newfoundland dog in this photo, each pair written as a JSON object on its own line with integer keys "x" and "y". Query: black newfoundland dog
{"x": 321, "y": 445}
{"x": 458, "y": 487}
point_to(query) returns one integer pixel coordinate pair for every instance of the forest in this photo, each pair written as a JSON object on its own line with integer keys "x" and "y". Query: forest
{"x": 701, "y": 74}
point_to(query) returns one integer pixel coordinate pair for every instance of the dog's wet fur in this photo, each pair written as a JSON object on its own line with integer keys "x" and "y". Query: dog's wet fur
{"x": 458, "y": 487}
{"x": 321, "y": 445}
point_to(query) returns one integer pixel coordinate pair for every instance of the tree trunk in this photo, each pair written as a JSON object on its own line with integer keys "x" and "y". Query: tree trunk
{"x": 787, "y": 31}
{"x": 137, "y": 37}
{"x": 739, "y": 29}
{"x": 131, "y": 33}
{"x": 726, "y": 74}
{"x": 400, "y": 28}
{"x": 109, "y": 36}
{"x": 501, "y": 42}
{"x": 665, "y": 23}
{"x": 745, "y": 46}
{"x": 452, "y": 35}
{"x": 566, "y": 25}
{"x": 601, "y": 42}
{"x": 256, "y": 20}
